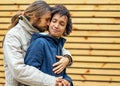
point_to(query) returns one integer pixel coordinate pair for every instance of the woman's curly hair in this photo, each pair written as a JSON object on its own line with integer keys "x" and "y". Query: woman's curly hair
{"x": 63, "y": 11}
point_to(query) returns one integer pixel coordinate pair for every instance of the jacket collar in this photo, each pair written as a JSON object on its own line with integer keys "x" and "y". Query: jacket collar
{"x": 27, "y": 26}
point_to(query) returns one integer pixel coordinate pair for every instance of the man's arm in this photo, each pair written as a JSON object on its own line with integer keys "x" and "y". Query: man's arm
{"x": 67, "y": 54}
{"x": 23, "y": 73}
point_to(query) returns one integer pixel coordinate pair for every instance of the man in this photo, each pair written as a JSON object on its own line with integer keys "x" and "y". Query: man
{"x": 35, "y": 18}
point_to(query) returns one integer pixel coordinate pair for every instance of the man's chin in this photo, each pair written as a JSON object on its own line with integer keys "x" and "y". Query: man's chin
{"x": 41, "y": 30}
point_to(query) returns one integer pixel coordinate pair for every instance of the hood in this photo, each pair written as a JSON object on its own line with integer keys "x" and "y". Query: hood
{"x": 57, "y": 41}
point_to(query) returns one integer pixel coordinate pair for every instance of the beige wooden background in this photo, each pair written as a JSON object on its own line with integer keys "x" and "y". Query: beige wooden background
{"x": 94, "y": 42}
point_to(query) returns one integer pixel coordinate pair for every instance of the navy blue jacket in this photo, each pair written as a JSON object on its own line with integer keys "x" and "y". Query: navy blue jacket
{"x": 42, "y": 54}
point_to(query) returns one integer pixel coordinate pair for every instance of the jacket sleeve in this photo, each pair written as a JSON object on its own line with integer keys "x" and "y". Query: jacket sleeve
{"x": 67, "y": 54}
{"x": 23, "y": 73}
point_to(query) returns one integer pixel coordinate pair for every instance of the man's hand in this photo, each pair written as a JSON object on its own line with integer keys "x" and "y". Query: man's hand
{"x": 58, "y": 82}
{"x": 61, "y": 65}
{"x": 62, "y": 82}
{"x": 65, "y": 83}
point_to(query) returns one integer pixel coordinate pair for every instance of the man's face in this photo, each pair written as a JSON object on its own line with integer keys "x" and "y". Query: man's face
{"x": 43, "y": 22}
{"x": 58, "y": 25}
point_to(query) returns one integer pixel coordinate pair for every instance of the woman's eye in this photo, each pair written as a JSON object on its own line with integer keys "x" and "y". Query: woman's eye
{"x": 54, "y": 20}
{"x": 62, "y": 24}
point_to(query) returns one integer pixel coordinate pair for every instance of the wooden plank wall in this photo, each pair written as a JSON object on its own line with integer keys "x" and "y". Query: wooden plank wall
{"x": 94, "y": 42}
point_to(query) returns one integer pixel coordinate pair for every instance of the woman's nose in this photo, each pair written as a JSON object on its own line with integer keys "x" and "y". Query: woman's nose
{"x": 56, "y": 24}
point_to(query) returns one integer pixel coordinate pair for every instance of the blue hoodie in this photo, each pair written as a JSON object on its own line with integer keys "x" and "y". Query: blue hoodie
{"x": 42, "y": 54}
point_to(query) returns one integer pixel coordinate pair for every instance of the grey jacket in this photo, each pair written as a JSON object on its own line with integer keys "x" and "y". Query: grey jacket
{"x": 15, "y": 45}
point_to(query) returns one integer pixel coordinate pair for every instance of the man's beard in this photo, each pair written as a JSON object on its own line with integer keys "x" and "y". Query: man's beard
{"x": 38, "y": 28}
{"x": 41, "y": 30}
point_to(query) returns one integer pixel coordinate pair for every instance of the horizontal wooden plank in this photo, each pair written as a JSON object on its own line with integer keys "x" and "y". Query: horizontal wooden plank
{"x": 96, "y": 27}
{"x": 91, "y": 62}
{"x": 78, "y": 14}
{"x": 16, "y": 2}
{"x": 96, "y": 78}
{"x": 64, "y": 1}
{"x": 12, "y": 7}
{"x": 1, "y": 51}
{"x": 84, "y": 27}
{"x": 88, "y": 39}
{"x": 89, "y": 46}
{"x": 1, "y": 62}
{"x": 1, "y": 38}
{"x": 95, "y": 33}
{"x": 91, "y": 59}
{"x": 95, "y": 52}
{"x": 1, "y": 68}
{"x": 87, "y": 7}
{"x": 79, "y": 33}
{"x": 5, "y": 20}
{"x": 84, "y": 1}
{"x": 1, "y": 56}
{"x": 93, "y": 72}
{"x": 93, "y": 39}
{"x": 92, "y": 46}
{"x": 2, "y": 74}
{"x": 0, "y": 44}
{"x": 8, "y": 13}
{"x": 4, "y": 26}
{"x": 96, "y": 20}
{"x": 3, "y": 32}
{"x": 79, "y": 6}
{"x": 80, "y": 20}
{"x": 84, "y": 33}
{"x": 95, "y": 59}
{"x": 94, "y": 83}
{"x": 96, "y": 65}
{"x": 82, "y": 83}
{"x": 2, "y": 81}
{"x": 94, "y": 14}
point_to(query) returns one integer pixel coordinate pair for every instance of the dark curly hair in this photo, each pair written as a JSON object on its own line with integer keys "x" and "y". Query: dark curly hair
{"x": 63, "y": 11}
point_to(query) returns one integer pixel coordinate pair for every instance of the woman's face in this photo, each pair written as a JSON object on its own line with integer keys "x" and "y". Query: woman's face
{"x": 58, "y": 25}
